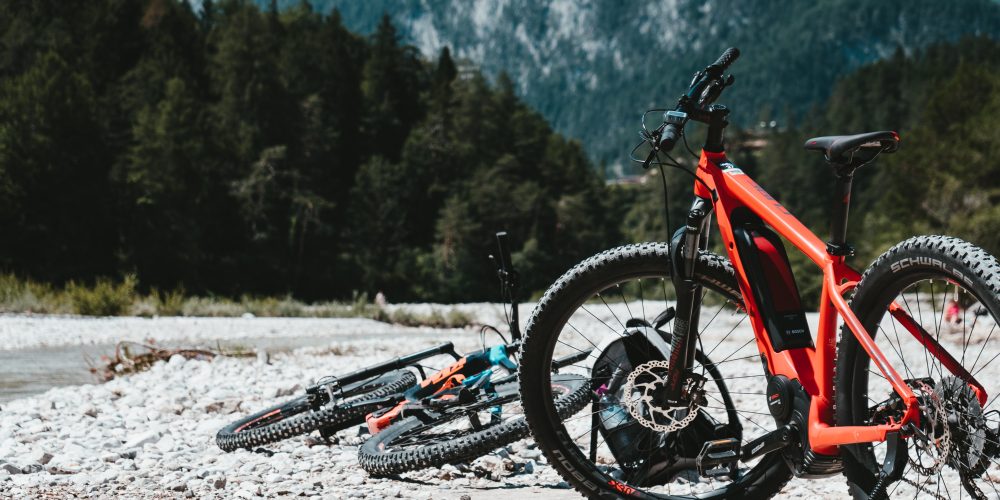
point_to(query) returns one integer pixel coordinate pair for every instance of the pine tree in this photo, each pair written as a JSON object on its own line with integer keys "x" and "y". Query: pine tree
{"x": 54, "y": 169}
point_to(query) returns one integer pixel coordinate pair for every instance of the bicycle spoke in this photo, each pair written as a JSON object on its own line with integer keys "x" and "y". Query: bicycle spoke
{"x": 611, "y": 311}
{"x": 733, "y": 329}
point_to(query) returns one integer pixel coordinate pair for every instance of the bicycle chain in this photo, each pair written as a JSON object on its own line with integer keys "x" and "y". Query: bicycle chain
{"x": 920, "y": 487}
{"x": 633, "y": 404}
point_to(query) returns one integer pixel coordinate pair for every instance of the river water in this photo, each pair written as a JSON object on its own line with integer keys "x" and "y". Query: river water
{"x": 30, "y": 371}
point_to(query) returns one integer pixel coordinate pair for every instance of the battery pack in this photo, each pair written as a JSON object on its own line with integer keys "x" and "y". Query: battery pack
{"x": 765, "y": 263}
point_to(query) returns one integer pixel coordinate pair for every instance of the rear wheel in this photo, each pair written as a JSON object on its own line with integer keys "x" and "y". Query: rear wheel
{"x": 298, "y": 416}
{"x": 951, "y": 289}
{"x": 623, "y": 294}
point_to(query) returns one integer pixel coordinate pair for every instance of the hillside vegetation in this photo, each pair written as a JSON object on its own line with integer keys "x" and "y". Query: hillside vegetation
{"x": 591, "y": 67}
{"x": 242, "y": 151}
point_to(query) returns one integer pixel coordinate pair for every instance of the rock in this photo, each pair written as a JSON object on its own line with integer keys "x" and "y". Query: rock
{"x": 289, "y": 391}
{"x": 176, "y": 361}
{"x": 166, "y": 444}
{"x": 248, "y": 315}
{"x": 178, "y": 486}
{"x": 63, "y": 469}
{"x": 530, "y": 454}
{"x": 39, "y": 456}
{"x": 230, "y": 406}
{"x": 529, "y": 467}
{"x": 142, "y": 439}
{"x": 10, "y": 468}
{"x": 219, "y": 483}
{"x": 106, "y": 477}
{"x": 32, "y": 468}
{"x": 252, "y": 488}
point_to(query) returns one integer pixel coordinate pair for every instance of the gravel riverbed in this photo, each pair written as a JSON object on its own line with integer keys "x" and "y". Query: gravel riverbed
{"x": 151, "y": 434}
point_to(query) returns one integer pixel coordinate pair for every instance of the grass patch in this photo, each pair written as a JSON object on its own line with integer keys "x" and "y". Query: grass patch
{"x": 106, "y": 297}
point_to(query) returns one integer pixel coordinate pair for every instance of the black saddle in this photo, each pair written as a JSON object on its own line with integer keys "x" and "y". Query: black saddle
{"x": 854, "y": 150}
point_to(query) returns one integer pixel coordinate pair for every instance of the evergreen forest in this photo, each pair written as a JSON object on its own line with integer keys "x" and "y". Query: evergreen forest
{"x": 247, "y": 150}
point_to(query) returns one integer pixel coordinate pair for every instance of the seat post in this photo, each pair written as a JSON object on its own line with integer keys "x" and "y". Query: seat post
{"x": 841, "y": 206}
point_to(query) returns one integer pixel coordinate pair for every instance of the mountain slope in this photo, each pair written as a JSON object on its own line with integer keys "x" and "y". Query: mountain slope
{"x": 592, "y": 67}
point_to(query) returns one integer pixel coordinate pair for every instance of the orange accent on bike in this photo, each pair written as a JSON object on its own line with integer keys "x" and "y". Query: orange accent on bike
{"x": 258, "y": 419}
{"x": 443, "y": 375}
{"x": 621, "y": 488}
{"x": 377, "y": 424}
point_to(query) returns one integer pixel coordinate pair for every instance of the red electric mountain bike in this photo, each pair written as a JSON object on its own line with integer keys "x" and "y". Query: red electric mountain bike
{"x": 706, "y": 379}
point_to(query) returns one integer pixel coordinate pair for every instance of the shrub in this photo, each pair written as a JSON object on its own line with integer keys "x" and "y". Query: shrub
{"x": 20, "y": 296}
{"x": 169, "y": 303}
{"x": 105, "y": 298}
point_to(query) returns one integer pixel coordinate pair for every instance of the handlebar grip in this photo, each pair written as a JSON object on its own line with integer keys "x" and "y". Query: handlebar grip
{"x": 728, "y": 57}
{"x": 504, "y": 246}
{"x": 669, "y": 137}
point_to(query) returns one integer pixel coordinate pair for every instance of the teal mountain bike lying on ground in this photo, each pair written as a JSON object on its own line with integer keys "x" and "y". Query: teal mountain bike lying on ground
{"x": 418, "y": 420}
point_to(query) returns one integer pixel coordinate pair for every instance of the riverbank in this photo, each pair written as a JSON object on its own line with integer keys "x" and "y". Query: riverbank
{"x": 25, "y": 331}
{"x": 151, "y": 434}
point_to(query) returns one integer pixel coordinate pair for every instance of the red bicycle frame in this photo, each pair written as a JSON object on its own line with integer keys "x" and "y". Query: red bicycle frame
{"x": 814, "y": 367}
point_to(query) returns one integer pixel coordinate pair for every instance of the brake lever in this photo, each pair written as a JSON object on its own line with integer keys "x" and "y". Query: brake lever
{"x": 649, "y": 159}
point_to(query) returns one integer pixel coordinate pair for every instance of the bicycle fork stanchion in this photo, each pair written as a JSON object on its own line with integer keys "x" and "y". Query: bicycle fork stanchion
{"x": 686, "y": 244}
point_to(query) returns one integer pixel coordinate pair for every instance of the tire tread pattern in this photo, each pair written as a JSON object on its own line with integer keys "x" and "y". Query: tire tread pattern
{"x": 984, "y": 270}
{"x": 377, "y": 457}
{"x": 328, "y": 417}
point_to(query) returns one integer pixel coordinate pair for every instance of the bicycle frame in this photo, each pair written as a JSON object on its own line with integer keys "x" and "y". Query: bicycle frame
{"x": 726, "y": 188}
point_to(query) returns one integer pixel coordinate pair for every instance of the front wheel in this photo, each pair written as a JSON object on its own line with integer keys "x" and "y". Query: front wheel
{"x": 298, "y": 417}
{"x": 618, "y": 304}
{"x": 951, "y": 290}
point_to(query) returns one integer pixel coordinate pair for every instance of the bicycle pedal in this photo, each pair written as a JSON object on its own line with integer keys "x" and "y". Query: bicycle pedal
{"x": 718, "y": 457}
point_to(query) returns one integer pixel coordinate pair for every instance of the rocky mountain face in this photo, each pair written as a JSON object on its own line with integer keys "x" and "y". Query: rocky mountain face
{"x": 591, "y": 67}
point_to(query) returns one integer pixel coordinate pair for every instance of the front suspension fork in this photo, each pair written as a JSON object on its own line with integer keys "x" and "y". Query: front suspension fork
{"x": 684, "y": 248}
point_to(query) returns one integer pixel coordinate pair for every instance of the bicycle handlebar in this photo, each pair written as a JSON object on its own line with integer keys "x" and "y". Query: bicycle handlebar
{"x": 504, "y": 247}
{"x": 727, "y": 58}
{"x": 705, "y": 88}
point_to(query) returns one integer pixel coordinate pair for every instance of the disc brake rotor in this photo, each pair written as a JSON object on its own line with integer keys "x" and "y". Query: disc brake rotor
{"x": 935, "y": 441}
{"x": 640, "y": 398}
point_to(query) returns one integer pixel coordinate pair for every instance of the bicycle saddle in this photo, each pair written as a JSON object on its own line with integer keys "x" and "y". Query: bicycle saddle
{"x": 854, "y": 149}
